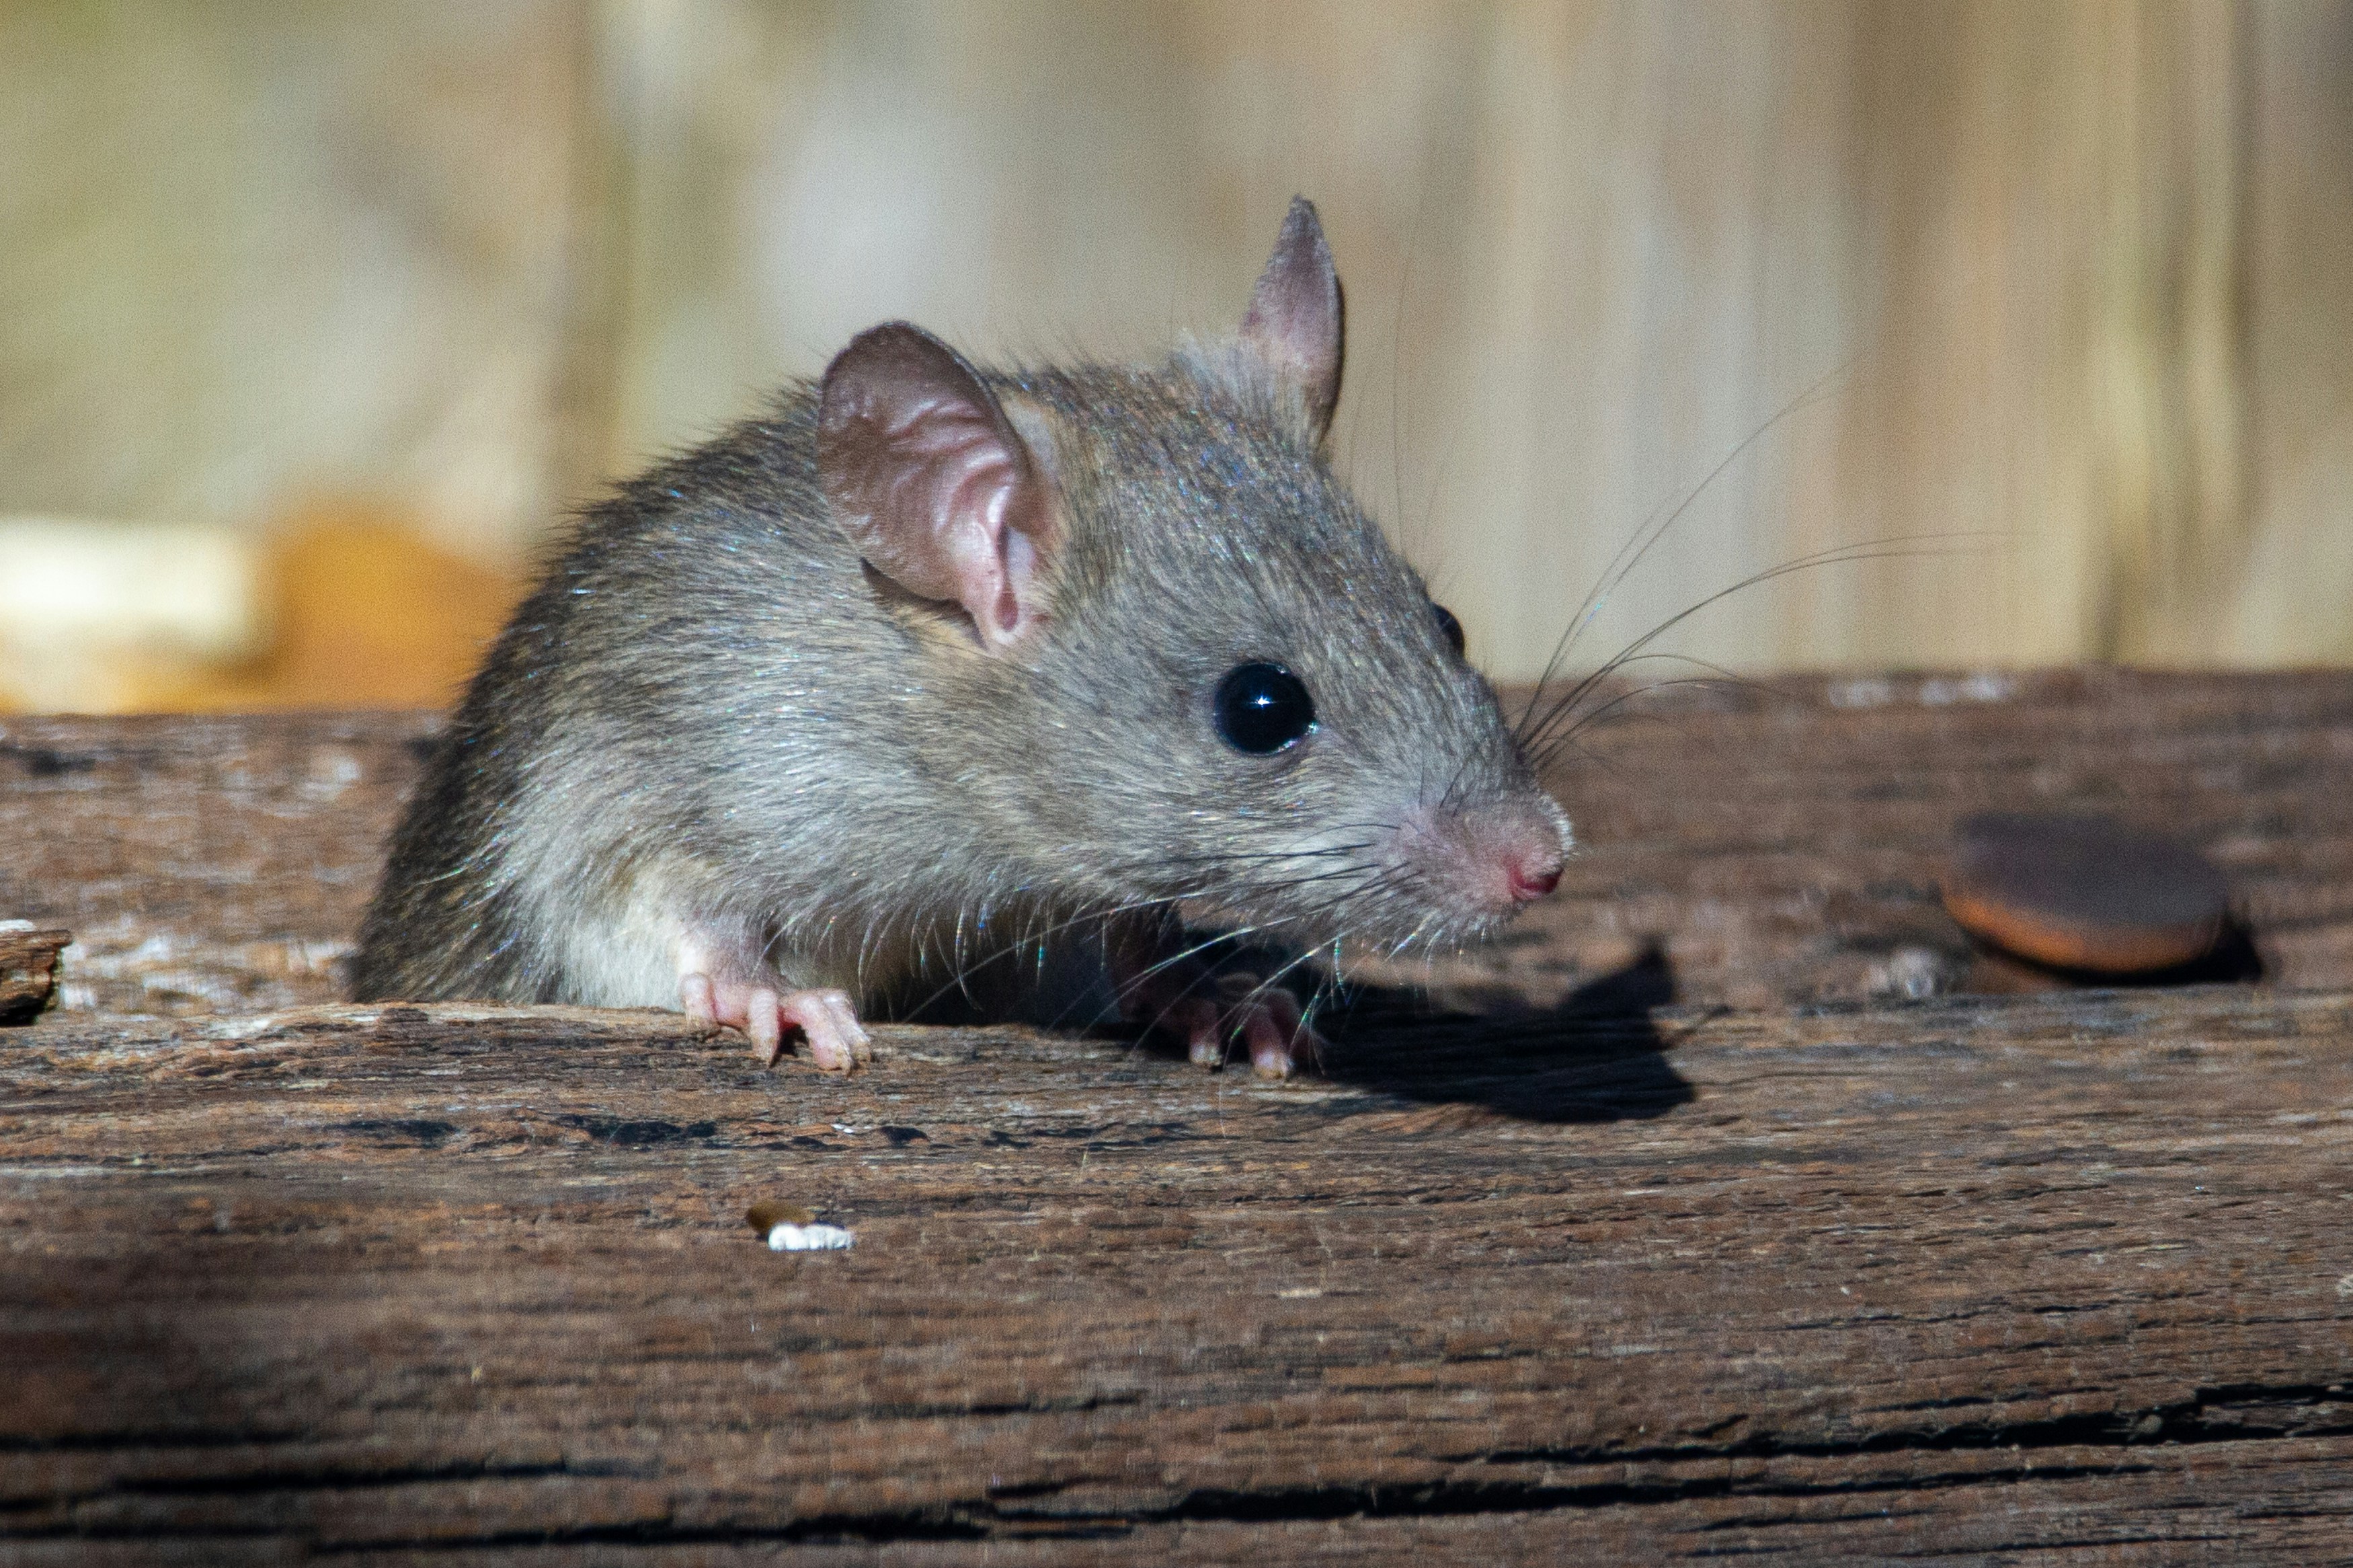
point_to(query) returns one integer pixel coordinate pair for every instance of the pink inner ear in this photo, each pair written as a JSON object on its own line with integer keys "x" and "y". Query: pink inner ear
{"x": 1020, "y": 569}
{"x": 950, "y": 485}
{"x": 928, "y": 479}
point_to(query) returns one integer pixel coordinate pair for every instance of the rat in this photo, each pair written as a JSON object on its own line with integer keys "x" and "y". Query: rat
{"x": 929, "y": 664}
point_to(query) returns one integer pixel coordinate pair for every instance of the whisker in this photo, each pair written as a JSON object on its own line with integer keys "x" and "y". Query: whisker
{"x": 965, "y": 971}
{"x": 1895, "y": 547}
{"x": 1642, "y": 541}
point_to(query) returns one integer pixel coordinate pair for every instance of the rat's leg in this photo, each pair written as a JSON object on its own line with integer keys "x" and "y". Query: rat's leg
{"x": 722, "y": 981}
{"x": 1181, "y": 998}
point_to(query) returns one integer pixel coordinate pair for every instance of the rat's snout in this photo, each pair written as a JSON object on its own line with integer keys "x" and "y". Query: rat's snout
{"x": 1495, "y": 856}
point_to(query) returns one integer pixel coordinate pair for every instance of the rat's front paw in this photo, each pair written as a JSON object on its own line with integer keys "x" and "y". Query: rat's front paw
{"x": 827, "y": 1019}
{"x": 1264, "y": 1020}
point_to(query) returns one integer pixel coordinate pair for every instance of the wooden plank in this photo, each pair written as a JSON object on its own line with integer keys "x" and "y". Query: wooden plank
{"x": 1976, "y": 1277}
{"x": 1776, "y": 845}
{"x": 1781, "y": 844}
{"x": 1956, "y": 1280}
{"x": 204, "y": 864}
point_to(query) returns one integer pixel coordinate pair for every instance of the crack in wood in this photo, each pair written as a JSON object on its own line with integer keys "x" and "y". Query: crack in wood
{"x": 1000, "y": 1512}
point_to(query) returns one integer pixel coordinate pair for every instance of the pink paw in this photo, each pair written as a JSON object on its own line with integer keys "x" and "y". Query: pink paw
{"x": 1264, "y": 1020}
{"x": 825, "y": 1019}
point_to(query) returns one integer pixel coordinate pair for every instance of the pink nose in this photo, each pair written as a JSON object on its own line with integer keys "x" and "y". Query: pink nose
{"x": 1533, "y": 877}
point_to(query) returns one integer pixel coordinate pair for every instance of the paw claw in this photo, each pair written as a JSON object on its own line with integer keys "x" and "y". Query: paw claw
{"x": 1279, "y": 1054}
{"x": 1268, "y": 1042}
{"x": 1201, "y": 1026}
{"x": 1280, "y": 1041}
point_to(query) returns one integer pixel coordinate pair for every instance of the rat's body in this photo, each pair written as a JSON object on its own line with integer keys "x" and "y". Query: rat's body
{"x": 927, "y": 661}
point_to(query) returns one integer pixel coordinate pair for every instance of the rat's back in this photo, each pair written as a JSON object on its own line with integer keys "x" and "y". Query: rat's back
{"x": 674, "y": 645}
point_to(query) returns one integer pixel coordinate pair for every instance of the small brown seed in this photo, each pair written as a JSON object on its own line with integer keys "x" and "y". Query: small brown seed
{"x": 2085, "y": 892}
{"x": 767, "y": 1214}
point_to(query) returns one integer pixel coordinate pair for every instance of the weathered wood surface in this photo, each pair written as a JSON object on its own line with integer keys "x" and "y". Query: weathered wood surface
{"x": 2009, "y": 1279}
{"x": 1776, "y": 847}
{"x": 1783, "y": 1269}
{"x": 1786, "y": 848}
{"x": 203, "y": 864}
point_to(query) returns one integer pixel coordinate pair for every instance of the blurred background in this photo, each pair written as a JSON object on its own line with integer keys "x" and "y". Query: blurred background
{"x": 315, "y": 317}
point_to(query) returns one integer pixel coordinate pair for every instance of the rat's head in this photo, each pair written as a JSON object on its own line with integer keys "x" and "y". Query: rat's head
{"x": 1181, "y": 662}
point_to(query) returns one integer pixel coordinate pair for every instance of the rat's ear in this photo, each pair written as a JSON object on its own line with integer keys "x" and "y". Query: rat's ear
{"x": 1296, "y": 315}
{"x": 930, "y": 480}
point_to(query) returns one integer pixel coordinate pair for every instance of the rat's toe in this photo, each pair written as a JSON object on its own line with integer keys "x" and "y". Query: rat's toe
{"x": 696, "y": 1000}
{"x": 1279, "y": 1043}
{"x": 1200, "y": 1024}
{"x": 763, "y": 1022}
{"x": 836, "y": 1041}
{"x": 767, "y": 1015}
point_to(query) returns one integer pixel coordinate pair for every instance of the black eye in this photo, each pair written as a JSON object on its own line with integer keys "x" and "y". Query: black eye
{"x": 1262, "y": 708}
{"x": 1449, "y": 628}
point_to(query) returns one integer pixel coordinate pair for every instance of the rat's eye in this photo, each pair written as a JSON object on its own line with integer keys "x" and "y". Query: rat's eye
{"x": 1449, "y": 628}
{"x": 1262, "y": 708}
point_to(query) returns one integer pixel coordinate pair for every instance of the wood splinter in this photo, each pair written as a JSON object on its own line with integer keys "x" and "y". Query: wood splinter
{"x": 29, "y": 970}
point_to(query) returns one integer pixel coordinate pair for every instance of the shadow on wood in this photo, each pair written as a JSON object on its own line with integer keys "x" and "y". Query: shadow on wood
{"x": 1595, "y": 1057}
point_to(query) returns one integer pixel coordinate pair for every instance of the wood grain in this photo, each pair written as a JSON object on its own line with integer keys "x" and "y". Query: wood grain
{"x": 2089, "y": 268}
{"x": 1951, "y": 1280}
{"x": 204, "y": 864}
{"x": 1677, "y": 1225}
{"x": 1781, "y": 842}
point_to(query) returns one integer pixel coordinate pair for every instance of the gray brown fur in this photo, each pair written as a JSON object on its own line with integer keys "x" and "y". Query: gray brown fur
{"x": 710, "y": 698}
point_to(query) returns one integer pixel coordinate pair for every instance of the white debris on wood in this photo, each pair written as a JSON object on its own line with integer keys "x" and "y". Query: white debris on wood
{"x": 810, "y": 1238}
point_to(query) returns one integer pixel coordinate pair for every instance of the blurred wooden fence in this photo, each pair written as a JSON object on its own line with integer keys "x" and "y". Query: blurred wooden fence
{"x": 2067, "y": 287}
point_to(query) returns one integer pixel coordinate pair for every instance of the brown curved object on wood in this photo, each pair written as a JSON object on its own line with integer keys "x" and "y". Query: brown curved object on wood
{"x": 28, "y": 972}
{"x": 2085, "y": 892}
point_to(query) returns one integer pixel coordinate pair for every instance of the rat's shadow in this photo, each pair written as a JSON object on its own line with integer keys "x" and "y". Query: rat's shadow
{"x": 1595, "y": 1057}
